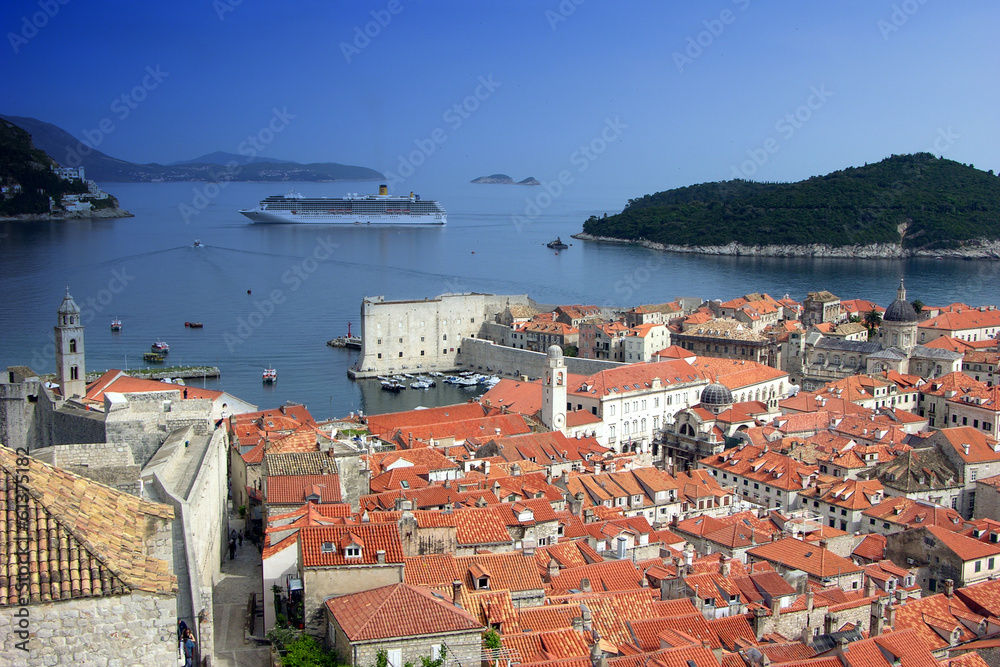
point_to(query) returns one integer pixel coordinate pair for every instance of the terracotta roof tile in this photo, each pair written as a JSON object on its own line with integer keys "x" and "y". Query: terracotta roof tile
{"x": 397, "y": 610}
{"x": 84, "y": 539}
{"x": 321, "y": 545}
{"x": 809, "y": 558}
{"x": 296, "y": 489}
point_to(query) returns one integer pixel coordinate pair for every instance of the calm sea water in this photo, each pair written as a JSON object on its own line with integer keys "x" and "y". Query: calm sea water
{"x": 307, "y": 282}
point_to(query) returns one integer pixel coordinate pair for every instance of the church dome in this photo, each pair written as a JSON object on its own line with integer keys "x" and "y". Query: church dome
{"x": 716, "y": 394}
{"x": 900, "y": 310}
{"x": 554, "y": 352}
{"x": 68, "y": 306}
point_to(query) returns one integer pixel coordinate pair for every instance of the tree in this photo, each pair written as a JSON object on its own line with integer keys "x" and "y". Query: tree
{"x": 918, "y": 305}
{"x": 873, "y": 319}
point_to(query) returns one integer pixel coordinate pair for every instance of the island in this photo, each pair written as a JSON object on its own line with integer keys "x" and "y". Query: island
{"x": 504, "y": 179}
{"x": 218, "y": 166}
{"x": 34, "y": 187}
{"x": 903, "y": 206}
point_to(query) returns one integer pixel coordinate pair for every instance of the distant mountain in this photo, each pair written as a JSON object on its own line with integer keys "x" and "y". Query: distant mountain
{"x": 917, "y": 203}
{"x": 221, "y": 157}
{"x": 69, "y": 151}
{"x": 504, "y": 179}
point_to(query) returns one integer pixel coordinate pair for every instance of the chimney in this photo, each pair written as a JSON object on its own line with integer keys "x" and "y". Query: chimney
{"x": 757, "y": 622}
{"x": 409, "y": 440}
{"x": 585, "y": 585}
{"x": 725, "y": 565}
{"x": 775, "y": 606}
{"x": 965, "y": 448}
{"x": 875, "y": 623}
{"x": 587, "y": 618}
{"x": 891, "y": 619}
{"x": 869, "y": 587}
{"x": 380, "y": 556}
{"x": 577, "y": 624}
{"x": 553, "y": 569}
{"x": 829, "y": 623}
{"x": 588, "y": 515}
{"x": 597, "y": 468}
{"x": 949, "y": 587}
{"x": 809, "y": 602}
{"x": 456, "y": 592}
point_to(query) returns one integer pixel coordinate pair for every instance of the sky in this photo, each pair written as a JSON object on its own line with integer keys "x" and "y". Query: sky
{"x": 655, "y": 94}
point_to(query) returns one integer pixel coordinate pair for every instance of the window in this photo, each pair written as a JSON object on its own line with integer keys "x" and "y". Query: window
{"x": 421, "y": 353}
{"x": 394, "y": 657}
{"x": 973, "y": 473}
{"x": 979, "y": 565}
{"x": 400, "y": 354}
{"x": 74, "y": 373}
{"x": 435, "y": 651}
{"x": 326, "y": 548}
{"x": 72, "y": 346}
{"x": 989, "y": 563}
{"x": 352, "y": 552}
{"x": 379, "y": 355}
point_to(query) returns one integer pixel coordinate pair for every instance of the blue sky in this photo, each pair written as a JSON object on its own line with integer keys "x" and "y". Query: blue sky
{"x": 664, "y": 94}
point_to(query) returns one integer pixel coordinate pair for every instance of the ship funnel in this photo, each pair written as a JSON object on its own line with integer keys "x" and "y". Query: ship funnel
{"x": 411, "y": 194}
{"x": 383, "y": 189}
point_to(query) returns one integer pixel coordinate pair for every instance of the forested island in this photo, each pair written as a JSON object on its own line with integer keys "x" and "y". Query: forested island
{"x": 905, "y": 205}
{"x": 504, "y": 179}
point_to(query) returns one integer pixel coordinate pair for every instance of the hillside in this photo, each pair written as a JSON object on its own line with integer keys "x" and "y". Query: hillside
{"x": 918, "y": 202}
{"x": 23, "y": 164}
{"x": 68, "y": 150}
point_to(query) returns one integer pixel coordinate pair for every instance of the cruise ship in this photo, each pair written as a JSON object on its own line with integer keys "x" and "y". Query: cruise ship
{"x": 352, "y": 209}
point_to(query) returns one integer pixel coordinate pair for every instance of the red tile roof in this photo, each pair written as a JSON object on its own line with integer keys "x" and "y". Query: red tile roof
{"x": 617, "y": 575}
{"x": 296, "y": 489}
{"x": 809, "y": 558}
{"x": 964, "y": 547}
{"x": 382, "y": 425}
{"x": 79, "y": 538}
{"x": 398, "y": 611}
{"x": 374, "y": 537}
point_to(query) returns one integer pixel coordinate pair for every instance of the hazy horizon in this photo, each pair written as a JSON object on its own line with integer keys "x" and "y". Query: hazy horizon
{"x": 642, "y": 93}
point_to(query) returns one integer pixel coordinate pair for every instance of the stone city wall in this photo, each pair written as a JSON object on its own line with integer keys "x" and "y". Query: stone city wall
{"x": 478, "y": 353}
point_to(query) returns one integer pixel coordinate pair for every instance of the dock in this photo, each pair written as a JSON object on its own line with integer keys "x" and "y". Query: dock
{"x": 186, "y": 372}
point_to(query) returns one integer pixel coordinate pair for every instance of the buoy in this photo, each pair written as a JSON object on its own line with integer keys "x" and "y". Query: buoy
{"x": 248, "y": 291}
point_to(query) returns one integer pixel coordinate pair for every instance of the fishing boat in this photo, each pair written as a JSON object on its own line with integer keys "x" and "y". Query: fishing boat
{"x": 116, "y": 324}
{"x": 160, "y": 347}
{"x": 194, "y": 325}
{"x": 270, "y": 375}
{"x": 153, "y": 357}
{"x": 557, "y": 244}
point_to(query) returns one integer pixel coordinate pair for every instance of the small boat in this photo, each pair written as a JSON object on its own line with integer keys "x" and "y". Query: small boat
{"x": 393, "y": 386}
{"x": 421, "y": 384}
{"x": 270, "y": 375}
{"x": 161, "y": 347}
{"x": 557, "y": 244}
{"x": 153, "y": 357}
{"x": 116, "y": 324}
{"x": 194, "y": 325}
{"x": 198, "y": 243}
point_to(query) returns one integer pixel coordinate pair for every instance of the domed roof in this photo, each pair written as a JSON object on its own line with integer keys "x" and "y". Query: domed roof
{"x": 554, "y": 352}
{"x": 900, "y": 310}
{"x": 68, "y": 306}
{"x": 716, "y": 394}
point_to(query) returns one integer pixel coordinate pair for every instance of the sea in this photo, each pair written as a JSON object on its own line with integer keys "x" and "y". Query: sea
{"x": 273, "y": 295}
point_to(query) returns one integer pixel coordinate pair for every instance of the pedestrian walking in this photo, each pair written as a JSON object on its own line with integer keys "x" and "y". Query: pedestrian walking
{"x": 241, "y": 539}
{"x": 232, "y": 549}
{"x": 189, "y": 649}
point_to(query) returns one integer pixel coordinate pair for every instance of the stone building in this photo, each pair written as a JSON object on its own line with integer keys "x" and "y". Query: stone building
{"x": 99, "y": 587}
{"x": 409, "y": 622}
{"x": 820, "y": 307}
{"x": 726, "y": 338}
{"x": 942, "y": 556}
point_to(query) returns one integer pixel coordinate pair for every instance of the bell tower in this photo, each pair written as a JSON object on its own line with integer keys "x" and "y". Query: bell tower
{"x": 554, "y": 390}
{"x": 71, "y": 372}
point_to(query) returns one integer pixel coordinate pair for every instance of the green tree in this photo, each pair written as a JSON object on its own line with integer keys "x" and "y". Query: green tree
{"x": 918, "y": 305}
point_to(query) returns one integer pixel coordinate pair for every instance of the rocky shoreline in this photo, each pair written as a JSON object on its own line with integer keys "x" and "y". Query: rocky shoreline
{"x": 71, "y": 215}
{"x": 980, "y": 249}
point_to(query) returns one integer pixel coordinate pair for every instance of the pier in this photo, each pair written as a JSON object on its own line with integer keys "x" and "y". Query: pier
{"x": 186, "y": 372}
{"x": 345, "y": 341}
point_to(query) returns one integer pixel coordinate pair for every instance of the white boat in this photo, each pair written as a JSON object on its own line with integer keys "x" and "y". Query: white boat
{"x": 352, "y": 209}
{"x": 421, "y": 384}
{"x": 270, "y": 375}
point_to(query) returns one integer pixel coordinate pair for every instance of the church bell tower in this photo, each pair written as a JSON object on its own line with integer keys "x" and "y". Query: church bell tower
{"x": 554, "y": 390}
{"x": 71, "y": 373}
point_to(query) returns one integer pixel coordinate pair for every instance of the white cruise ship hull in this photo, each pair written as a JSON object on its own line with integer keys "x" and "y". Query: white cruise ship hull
{"x": 258, "y": 215}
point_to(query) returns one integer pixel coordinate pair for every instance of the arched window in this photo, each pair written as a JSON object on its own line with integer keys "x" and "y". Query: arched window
{"x": 624, "y": 429}
{"x": 643, "y": 430}
{"x": 72, "y": 346}
{"x": 611, "y": 434}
